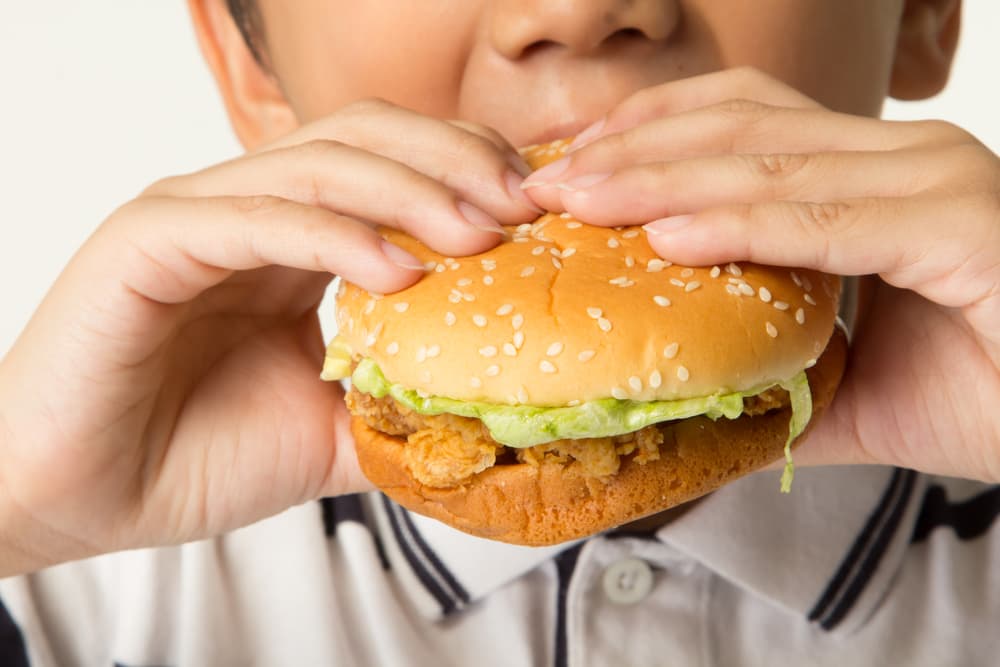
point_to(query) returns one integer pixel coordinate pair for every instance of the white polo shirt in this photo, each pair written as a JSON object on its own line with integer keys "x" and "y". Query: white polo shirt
{"x": 858, "y": 566}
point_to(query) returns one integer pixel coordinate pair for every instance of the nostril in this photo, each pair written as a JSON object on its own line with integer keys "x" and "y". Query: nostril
{"x": 538, "y": 47}
{"x": 627, "y": 35}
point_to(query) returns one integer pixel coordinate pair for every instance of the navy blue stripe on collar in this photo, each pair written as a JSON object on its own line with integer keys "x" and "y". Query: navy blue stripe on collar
{"x": 565, "y": 566}
{"x": 432, "y": 558}
{"x": 857, "y": 568}
{"x": 969, "y": 518}
{"x": 13, "y": 652}
{"x": 448, "y": 601}
{"x": 337, "y": 510}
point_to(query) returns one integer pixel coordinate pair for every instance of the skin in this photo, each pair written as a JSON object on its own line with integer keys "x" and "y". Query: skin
{"x": 166, "y": 388}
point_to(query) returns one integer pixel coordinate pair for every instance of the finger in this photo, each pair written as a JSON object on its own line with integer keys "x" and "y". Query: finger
{"x": 735, "y": 126}
{"x": 356, "y": 183}
{"x": 169, "y": 250}
{"x": 693, "y": 93}
{"x": 941, "y": 246}
{"x": 513, "y": 155}
{"x": 639, "y": 194}
{"x": 469, "y": 162}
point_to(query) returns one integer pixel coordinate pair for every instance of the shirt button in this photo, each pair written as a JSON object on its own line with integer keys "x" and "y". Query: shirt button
{"x": 628, "y": 581}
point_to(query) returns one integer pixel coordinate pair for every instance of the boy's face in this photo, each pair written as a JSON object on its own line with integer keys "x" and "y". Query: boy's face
{"x": 537, "y": 69}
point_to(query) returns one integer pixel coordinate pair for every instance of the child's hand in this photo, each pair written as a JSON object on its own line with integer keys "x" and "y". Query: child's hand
{"x": 168, "y": 386}
{"x": 735, "y": 166}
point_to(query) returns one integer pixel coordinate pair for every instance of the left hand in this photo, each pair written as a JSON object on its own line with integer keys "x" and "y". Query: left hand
{"x": 735, "y": 166}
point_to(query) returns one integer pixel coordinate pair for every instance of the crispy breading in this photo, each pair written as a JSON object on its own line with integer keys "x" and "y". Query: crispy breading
{"x": 445, "y": 450}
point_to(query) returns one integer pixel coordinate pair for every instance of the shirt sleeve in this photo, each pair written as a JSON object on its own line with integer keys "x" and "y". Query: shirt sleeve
{"x": 13, "y": 652}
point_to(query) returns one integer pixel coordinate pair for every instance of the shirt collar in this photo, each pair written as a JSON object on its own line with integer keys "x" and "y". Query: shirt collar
{"x": 827, "y": 552}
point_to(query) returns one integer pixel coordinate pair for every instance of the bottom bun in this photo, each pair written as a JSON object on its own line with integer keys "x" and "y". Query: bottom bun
{"x": 551, "y": 502}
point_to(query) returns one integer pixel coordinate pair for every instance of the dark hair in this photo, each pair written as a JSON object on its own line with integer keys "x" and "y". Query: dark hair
{"x": 247, "y": 18}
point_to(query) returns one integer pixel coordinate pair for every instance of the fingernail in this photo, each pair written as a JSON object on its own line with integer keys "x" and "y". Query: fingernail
{"x": 668, "y": 225}
{"x": 586, "y": 181}
{"x": 547, "y": 174}
{"x": 400, "y": 257}
{"x": 479, "y": 219}
{"x": 518, "y": 164}
{"x": 587, "y": 135}
{"x": 514, "y": 182}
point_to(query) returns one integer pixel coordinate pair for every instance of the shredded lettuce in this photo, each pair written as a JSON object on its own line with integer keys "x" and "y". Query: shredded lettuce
{"x": 527, "y": 426}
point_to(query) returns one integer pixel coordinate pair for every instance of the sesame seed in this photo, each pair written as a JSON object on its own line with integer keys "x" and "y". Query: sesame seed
{"x": 635, "y": 383}
{"x": 594, "y": 313}
{"x": 450, "y": 319}
{"x": 656, "y": 265}
{"x": 479, "y": 320}
{"x": 655, "y": 379}
{"x": 518, "y": 339}
{"x": 765, "y": 294}
{"x": 586, "y": 355}
{"x": 517, "y": 321}
{"x": 487, "y": 280}
{"x": 574, "y": 225}
{"x": 527, "y": 271}
{"x": 604, "y": 324}
{"x": 670, "y": 351}
{"x": 505, "y": 310}
{"x": 464, "y": 282}
{"x": 522, "y": 395}
{"x": 524, "y": 228}
{"x": 746, "y": 289}
{"x": 809, "y": 299}
{"x": 661, "y": 300}
{"x": 455, "y": 296}
{"x": 421, "y": 354}
{"x": 440, "y": 268}
{"x": 555, "y": 252}
{"x": 781, "y": 305}
{"x": 488, "y": 264}
{"x": 509, "y": 349}
{"x": 493, "y": 371}
{"x": 475, "y": 382}
{"x": 676, "y": 282}
{"x": 806, "y": 284}
{"x": 370, "y": 340}
{"x": 521, "y": 239}
{"x": 468, "y": 297}
{"x": 488, "y": 351}
{"x": 734, "y": 270}
{"x": 683, "y": 374}
{"x": 630, "y": 234}
{"x": 800, "y": 316}
{"x": 568, "y": 252}
{"x": 433, "y": 351}
{"x": 538, "y": 250}
{"x": 687, "y": 273}
{"x": 555, "y": 349}
{"x": 392, "y": 348}
{"x": 454, "y": 267}
{"x": 572, "y": 404}
{"x": 613, "y": 243}
{"x": 810, "y": 363}
{"x": 629, "y": 261}
{"x": 692, "y": 286}
{"x": 369, "y": 307}
{"x": 796, "y": 279}
{"x": 547, "y": 366}
{"x": 772, "y": 330}
{"x": 715, "y": 272}
{"x": 565, "y": 216}
{"x": 556, "y": 263}
{"x": 401, "y": 307}
{"x": 622, "y": 281}
{"x": 619, "y": 393}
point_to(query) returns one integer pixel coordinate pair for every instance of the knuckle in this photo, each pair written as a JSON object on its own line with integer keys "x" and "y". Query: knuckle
{"x": 777, "y": 165}
{"x": 941, "y": 131}
{"x": 258, "y": 205}
{"x": 743, "y": 109}
{"x": 319, "y": 148}
{"x": 823, "y": 217}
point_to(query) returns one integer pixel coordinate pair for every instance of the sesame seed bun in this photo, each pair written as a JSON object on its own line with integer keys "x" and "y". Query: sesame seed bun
{"x": 563, "y": 313}
{"x": 552, "y": 503}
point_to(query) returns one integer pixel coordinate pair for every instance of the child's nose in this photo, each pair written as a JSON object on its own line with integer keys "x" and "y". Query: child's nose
{"x": 521, "y": 27}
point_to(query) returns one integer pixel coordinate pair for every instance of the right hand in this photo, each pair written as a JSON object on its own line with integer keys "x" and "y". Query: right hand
{"x": 167, "y": 388}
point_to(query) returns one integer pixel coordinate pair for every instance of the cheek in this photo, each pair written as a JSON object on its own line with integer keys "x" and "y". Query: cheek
{"x": 837, "y": 52}
{"x": 335, "y": 53}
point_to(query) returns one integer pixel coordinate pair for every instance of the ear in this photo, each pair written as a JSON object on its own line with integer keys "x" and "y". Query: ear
{"x": 257, "y": 108}
{"x": 925, "y": 47}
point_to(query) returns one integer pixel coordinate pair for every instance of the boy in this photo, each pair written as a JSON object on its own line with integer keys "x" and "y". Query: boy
{"x": 165, "y": 391}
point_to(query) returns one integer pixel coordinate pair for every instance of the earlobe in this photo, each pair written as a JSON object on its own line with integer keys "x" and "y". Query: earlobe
{"x": 257, "y": 108}
{"x": 925, "y": 48}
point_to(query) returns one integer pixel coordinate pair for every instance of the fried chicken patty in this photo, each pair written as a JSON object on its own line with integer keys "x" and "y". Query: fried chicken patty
{"x": 444, "y": 450}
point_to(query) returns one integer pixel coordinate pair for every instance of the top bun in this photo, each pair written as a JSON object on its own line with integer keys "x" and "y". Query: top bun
{"x": 565, "y": 312}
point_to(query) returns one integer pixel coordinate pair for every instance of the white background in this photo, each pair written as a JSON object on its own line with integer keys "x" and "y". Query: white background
{"x": 101, "y": 97}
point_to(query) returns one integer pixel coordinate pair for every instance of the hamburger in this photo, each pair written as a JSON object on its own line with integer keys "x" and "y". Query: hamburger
{"x": 570, "y": 380}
